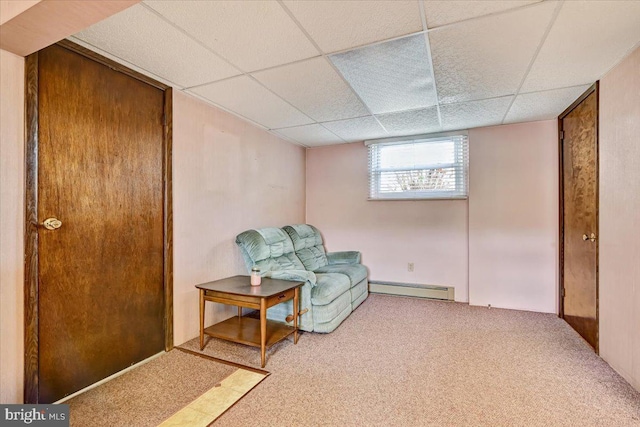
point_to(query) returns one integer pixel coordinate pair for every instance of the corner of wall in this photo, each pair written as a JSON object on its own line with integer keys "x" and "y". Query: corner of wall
{"x": 11, "y": 227}
{"x": 619, "y": 203}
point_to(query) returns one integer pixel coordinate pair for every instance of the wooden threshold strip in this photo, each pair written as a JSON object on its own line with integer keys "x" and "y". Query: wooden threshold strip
{"x": 205, "y": 409}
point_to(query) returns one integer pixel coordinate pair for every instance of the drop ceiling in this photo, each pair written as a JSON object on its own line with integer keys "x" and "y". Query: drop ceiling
{"x": 329, "y": 72}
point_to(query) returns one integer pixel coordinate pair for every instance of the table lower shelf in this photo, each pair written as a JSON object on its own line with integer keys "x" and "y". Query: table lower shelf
{"x": 246, "y": 330}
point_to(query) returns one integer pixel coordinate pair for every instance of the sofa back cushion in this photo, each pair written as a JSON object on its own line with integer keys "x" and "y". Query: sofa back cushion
{"x": 307, "y": 242}
{"x": 270, "y": 249}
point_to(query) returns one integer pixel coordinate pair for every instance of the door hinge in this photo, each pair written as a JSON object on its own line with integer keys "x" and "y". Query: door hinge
{"x": 562, "y": 292}
{"x": 561, "y": 135}
{"x": 164, "y": 120}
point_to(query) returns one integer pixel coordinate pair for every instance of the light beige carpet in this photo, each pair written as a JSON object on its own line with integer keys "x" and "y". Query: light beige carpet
{"x": 162, "y": 388}
{"x": 404, "y": 361}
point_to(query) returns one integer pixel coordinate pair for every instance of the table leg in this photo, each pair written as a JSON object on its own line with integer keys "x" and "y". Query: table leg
{"x": 239, "y": 311}
{"x": 201, "y": 319}
{"x": 296, "y": 310}
{"x": 263, "y": 330}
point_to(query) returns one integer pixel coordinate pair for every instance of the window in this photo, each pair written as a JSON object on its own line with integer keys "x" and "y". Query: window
{"x": 424, "y": 167}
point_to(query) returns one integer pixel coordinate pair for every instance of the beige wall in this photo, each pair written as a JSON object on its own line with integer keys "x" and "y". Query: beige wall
{"x": 11, "y": 226}
{"x": 498, "y": 248}
{"x": 513, "y": 216}
{"x": 33, "y": 25}
{"x": 390, "y": 234}
{"x": 9, "y": 9}
{"x": 619, "y": 239}
{"x": 228, "y": 176}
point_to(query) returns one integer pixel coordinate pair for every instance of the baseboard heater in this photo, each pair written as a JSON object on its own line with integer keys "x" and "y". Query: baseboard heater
{"x": 445, "y": 293}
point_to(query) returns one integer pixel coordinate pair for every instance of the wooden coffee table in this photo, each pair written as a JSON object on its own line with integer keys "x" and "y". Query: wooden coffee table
{"x": 237, "y": 291}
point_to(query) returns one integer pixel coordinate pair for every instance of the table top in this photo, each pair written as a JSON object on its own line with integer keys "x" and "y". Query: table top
{"x": 241, "y": 285}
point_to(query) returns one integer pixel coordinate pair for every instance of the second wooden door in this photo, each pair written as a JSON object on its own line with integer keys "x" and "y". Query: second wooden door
{"x": 579, "y": 303}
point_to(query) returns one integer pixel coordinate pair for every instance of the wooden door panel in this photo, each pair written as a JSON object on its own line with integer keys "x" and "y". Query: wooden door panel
{"x": 101, "y": 173}
{"x": 579, "y": 154}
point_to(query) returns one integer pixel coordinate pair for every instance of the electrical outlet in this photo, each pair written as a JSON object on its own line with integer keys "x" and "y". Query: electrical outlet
{"x": 410, "y": 267}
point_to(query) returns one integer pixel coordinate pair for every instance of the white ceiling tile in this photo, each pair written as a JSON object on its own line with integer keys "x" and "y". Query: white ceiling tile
{"x": 246, "y": 97}
{"x": 587, "y": 39}
{"x": 411, "y": 122}
{"x": 315, "y": 88}
{"x": 390, "y": 76}
{"x": 481, "y": 51}
{"x": 250, "y": 34}
{"x": 310, "y": 135}
{"x": 467, "y": 115}
{"x": 359, "y": 129}
{"x": 339, "y": 25}
{"x": 487, "y": 57}
{"x": 529, "y": 107}
{"x": 139, "y": 36}
{"x": 448, "y": 11}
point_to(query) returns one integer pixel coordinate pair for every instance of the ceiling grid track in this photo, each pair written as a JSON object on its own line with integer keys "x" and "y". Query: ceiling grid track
{"x": 488, "y": 15}
{"x": 498, "y": 62}
{"x": 242, "y": 72}
{"x": 556, "y": 12}
{"x": 326, "y": 57}
{"x": 425, "y": 29}
{"x": 180, "y": 29}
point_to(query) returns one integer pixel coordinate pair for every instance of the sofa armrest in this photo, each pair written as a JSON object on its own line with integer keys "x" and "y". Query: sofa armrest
{"x": 295, "y": 275}
{"x": 345, "y": 257}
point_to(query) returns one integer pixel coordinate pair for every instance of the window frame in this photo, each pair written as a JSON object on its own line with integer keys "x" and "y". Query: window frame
{"x": 461, "y": 167}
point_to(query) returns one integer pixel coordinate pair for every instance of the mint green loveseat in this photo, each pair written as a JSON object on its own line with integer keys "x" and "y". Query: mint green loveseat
{"x": 335, "y": 282}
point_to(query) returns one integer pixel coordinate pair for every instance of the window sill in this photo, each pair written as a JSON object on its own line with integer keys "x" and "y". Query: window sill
{"x": 418, "y": 199}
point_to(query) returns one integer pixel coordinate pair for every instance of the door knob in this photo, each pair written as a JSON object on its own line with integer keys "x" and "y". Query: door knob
{"x": 592, "y": 237}
{"x": 52, "y": 223}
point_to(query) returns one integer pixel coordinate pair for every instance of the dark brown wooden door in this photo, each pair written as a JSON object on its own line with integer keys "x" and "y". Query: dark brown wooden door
{"x": 580, "y": 218}
{"x": 100, "y": 172}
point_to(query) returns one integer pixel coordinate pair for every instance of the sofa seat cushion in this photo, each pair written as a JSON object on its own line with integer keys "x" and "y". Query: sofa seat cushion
{"x": 329, "y": 286}
{"x": 355, "y": 272}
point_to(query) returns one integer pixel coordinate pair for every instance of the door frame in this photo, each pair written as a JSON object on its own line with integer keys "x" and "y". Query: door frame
{"x": 31, "y": 283}
{"x": 595, "y": 88}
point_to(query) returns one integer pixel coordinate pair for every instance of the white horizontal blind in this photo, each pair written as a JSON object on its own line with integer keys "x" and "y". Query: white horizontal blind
{"x": 424, "y": 168}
